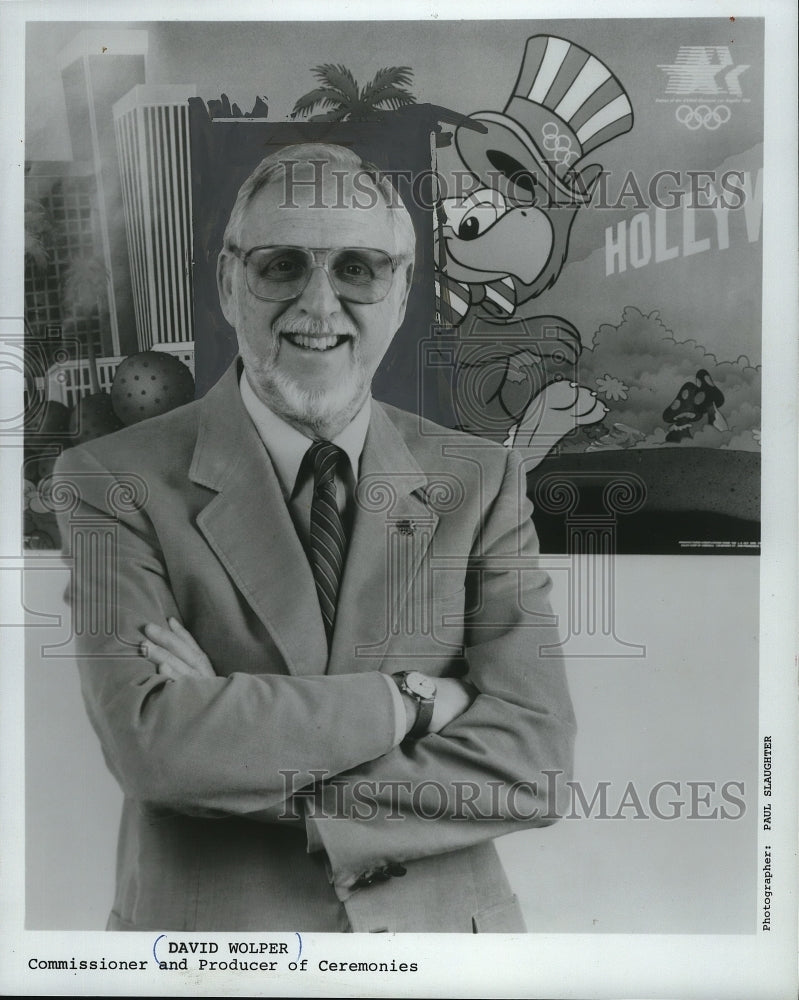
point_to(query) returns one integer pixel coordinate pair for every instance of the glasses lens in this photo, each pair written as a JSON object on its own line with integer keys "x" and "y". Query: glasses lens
{"x": 360, "y": 275}
{"x": 357, "y": 274}
{"x": 278, "y": 272}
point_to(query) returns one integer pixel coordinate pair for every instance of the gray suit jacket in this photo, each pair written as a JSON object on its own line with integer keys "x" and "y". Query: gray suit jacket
{"x": 183, "y": 515}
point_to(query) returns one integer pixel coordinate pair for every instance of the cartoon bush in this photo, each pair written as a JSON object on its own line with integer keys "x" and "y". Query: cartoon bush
{"x": 638, "y": 367}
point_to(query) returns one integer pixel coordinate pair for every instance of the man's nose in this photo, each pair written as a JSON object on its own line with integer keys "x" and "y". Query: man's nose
{"x": 319, "y": 298}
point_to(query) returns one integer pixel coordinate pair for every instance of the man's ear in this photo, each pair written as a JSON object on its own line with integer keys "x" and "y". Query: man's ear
{"x": 224, "y": 283}
{"x": 404, "y": 303}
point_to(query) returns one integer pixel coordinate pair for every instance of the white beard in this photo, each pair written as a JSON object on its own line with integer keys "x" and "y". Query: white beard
{"x": 317, "y": 410}
{"x": 324, "y": 412}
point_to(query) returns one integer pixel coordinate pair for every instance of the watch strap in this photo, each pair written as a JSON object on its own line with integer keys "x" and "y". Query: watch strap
{"x": 424, "y": 717}
{"x": 424, "y": 707}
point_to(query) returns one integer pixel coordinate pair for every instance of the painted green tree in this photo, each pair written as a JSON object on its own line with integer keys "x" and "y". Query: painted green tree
{"x": 344, "y": 100}
{"x": 38, "y": 233}
{"x": 85, "y": 294}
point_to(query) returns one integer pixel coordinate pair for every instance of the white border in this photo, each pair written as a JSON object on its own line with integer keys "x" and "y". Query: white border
{"x": 540, "y": 965}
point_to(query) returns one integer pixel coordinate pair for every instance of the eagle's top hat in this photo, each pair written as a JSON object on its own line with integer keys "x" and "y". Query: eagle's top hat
{"x": 565, "y": 104}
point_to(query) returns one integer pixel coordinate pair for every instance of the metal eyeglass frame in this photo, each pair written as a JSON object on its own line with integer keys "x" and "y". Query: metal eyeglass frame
{"x": 244, "y": 256}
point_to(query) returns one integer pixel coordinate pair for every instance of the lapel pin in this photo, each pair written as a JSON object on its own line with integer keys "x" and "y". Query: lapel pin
{"x": 405, "y": 527}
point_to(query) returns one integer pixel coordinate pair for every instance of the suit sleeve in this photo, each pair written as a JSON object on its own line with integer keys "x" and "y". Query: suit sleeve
{"x": 497, "y": 767}
{"x": 239, "y": 744}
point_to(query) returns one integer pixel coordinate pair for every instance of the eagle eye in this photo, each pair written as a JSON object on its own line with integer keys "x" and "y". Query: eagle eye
{"x": 515, "y": 171}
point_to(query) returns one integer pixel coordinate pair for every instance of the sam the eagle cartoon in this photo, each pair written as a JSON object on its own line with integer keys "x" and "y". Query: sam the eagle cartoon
{"x": 503, "y": 242}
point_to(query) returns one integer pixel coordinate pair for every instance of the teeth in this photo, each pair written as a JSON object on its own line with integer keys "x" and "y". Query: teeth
{"x": 312, "y": 343}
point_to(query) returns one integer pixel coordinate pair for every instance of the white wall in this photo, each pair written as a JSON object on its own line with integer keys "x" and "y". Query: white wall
{"x": 686, "y": 711}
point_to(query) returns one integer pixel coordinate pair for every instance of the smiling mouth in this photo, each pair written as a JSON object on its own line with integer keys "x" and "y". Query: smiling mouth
{"x": 308, "y": 342}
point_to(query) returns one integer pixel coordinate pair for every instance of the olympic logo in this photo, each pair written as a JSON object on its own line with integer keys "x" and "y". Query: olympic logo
{"x": 703, "y": 116}
{"x": 557, "y": 143}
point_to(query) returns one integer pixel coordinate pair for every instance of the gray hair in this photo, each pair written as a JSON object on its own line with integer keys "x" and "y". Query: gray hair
{"x": 274, "y": 167}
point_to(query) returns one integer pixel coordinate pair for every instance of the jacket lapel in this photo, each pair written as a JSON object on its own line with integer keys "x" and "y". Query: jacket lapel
{"x": 392, "y": 530}
{"x": 249, "y": 527}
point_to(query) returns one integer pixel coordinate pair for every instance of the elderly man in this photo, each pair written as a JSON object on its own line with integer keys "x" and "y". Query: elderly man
{"x": 327, "y": 675}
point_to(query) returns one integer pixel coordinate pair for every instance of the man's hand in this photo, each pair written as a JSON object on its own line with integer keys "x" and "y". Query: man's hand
{"x": 175, "y": 652}
{"x": 453, "y": 697}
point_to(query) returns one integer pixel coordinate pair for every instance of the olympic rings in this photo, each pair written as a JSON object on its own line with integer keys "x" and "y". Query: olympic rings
{"x": 703, "y": 116}
{"x": 558, "y": 143}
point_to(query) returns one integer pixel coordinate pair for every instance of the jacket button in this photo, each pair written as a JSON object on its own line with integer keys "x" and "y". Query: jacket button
{"x": 392, "y": 870}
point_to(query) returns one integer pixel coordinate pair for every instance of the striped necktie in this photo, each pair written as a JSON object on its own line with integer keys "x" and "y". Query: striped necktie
{"x": 455, "y": 298}
{"x": 328, "y": 541}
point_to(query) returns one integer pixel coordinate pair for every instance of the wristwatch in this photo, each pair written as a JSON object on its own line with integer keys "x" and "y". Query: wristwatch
{"x": 422, "y": 689}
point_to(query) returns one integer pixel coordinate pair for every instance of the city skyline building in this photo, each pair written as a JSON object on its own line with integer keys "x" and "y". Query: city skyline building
{"x": 97, "y": 68}
{"x": 154, "y": 154}
{"x": 64, "y": 195}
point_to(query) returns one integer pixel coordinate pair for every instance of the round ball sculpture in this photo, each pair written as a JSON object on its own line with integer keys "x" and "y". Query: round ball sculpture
{"x": 148, "y": 384}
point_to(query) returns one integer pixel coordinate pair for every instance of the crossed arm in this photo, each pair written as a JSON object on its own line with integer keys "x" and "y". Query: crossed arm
{"x": 177, "y": 734}
{"x": 176, "y": 654}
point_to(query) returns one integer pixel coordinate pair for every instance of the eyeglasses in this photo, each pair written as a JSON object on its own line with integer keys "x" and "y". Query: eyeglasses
{"x": 280, "y": 273}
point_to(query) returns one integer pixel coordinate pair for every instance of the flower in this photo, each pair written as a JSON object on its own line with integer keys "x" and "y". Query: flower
{"x": 611, "y": 387}
{"x": 38, "y": 498}
{"x": 29, "y": 491}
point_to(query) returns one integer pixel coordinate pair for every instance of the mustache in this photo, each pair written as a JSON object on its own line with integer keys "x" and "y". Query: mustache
{"x": 312, "y": 327}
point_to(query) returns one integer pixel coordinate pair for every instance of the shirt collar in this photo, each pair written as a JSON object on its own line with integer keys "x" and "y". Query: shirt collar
{"x": 287, "y": 446}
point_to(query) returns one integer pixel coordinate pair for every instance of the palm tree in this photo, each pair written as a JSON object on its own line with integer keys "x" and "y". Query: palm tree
{"x": 339, "y": 91}
{"x": 84, "y": 295}
{"x": 38, "y": 230}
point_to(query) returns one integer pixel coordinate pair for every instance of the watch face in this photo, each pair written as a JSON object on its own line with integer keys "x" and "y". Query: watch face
{"x": 420, "y": 684}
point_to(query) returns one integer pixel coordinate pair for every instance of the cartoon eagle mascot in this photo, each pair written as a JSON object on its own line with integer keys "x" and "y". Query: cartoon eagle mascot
{"x": 503, "y": 238}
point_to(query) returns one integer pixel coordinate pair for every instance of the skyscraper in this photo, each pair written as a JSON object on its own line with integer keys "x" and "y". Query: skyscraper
{"x": 64, "y": 194}
{"x": 97, "y": 67}
{"x": 152, "y": 136}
